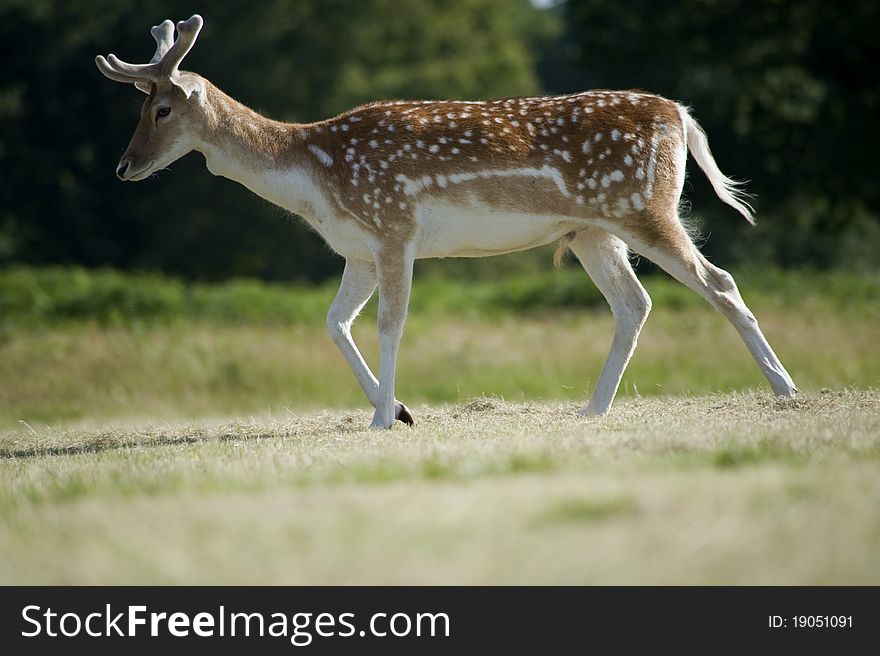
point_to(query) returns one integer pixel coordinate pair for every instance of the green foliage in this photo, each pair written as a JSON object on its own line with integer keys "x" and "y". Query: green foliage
{"x": 56, "y": 296}
{"x": 788, "y": 93}
{"x": 63, "y": 125}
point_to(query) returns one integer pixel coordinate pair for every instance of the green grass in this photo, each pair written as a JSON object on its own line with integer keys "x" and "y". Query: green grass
{"x": 83, "y": 372}
{"x": 56, "y": 296}
{"x": 157, "y": 432}
{"x": 85, "y": 345}
{"x": 734, "y": 488}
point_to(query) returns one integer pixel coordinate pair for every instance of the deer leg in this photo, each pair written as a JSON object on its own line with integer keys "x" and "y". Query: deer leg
{"x": 395, "y": 268}
{"x": 357, "y": 286}
{"x": 671, "y": 249}
{"x": 605, "y": 259}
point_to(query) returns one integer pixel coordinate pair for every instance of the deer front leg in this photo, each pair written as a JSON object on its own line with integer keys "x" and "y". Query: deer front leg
{"x": 395, "y": 267}
{"x": 357, "y": 286}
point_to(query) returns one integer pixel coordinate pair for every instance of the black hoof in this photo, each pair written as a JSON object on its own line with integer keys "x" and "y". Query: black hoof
{"x": 404, "y": 415}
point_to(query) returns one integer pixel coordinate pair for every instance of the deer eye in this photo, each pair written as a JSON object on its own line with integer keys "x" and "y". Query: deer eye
{"x": 163, "y": 112}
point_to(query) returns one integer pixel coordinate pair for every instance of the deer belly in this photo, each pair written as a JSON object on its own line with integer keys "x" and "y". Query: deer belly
{"x": 454, "y": 230}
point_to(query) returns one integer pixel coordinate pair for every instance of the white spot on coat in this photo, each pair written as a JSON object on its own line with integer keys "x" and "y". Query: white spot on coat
{"x": 322, "y": 155}
{"x": 413, "y": 187}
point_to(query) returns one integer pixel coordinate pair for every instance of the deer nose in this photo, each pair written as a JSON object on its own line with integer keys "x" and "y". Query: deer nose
{"x": 122, "y": 168}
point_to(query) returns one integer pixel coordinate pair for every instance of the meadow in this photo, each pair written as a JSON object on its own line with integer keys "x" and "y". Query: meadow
{"x": 153, "y": 431}
{"x": 81, "y": 346}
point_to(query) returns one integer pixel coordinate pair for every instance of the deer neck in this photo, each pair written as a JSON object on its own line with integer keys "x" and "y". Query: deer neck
{"x": 265, "y": 156}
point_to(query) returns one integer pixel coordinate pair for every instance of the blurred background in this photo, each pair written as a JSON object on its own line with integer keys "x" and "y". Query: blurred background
{"x": 788, "y": 92}
{"x": 90, "y": 267}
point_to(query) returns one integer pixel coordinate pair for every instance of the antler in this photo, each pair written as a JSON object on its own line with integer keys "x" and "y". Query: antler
{"x": 163, "y": 33}
{"x": 164, "y": 64}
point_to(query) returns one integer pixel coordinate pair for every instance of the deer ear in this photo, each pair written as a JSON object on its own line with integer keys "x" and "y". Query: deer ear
{"x": 186, "y": 86}
{"x": 144, "y": 86}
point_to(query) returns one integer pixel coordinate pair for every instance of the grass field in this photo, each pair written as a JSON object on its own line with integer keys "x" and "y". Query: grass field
{"x": 735, "y": 488}
{"x": 154, "y": 433}
{"x": 89, "y": 373}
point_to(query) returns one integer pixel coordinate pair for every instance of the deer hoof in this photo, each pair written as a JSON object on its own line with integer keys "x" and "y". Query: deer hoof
{"x": 404, "y": 415}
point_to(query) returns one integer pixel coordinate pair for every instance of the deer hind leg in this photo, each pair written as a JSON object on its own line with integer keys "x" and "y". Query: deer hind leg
{"x": 605, "y": 259}
{"x": 394, "y": 266}
{"x": 662, "y": 239}
{"x": 358, "y": 284}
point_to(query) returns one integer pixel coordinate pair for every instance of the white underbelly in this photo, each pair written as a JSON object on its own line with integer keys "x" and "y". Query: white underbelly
{"x": 475, "y": 230}
{"x": 345, "y": 236}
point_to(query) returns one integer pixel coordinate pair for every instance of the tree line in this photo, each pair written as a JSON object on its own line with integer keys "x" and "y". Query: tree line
{"x": 788, "y": 92}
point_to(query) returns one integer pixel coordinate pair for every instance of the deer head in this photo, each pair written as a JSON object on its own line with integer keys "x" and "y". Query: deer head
{"x": 173, "y": 112}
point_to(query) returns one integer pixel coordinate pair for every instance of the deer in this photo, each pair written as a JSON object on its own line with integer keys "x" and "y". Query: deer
{"x": 601, "y": 172}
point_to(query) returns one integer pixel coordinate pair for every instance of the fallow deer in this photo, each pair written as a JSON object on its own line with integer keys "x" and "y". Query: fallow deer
{"x": 390, "y": 182}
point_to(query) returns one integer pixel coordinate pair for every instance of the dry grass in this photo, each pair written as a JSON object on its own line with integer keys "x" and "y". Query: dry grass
{"x": 735, "y": 488}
